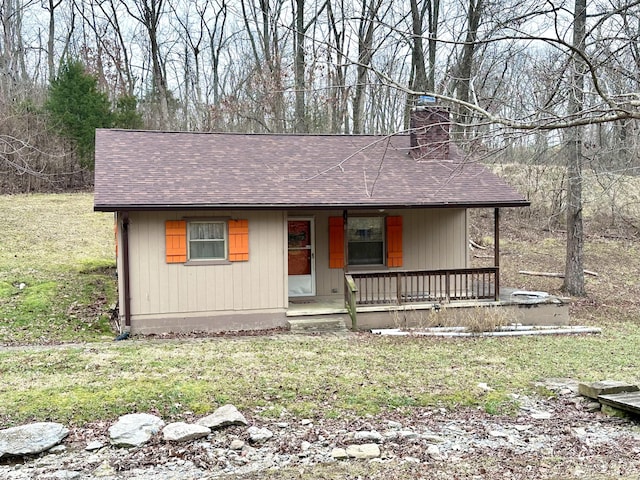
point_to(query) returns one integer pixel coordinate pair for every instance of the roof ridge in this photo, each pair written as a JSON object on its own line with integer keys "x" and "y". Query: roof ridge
{"x": 257, "y": 134}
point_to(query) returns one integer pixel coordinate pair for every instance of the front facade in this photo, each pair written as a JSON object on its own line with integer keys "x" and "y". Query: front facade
{"x": 288, "y": 258}
{"x": 225, "y": 232}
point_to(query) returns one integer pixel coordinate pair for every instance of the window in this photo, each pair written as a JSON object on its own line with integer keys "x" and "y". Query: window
{"x": 214, "y": 240}
{"x": 365, "y": 237}
{"x": 207, "y": 240}
{"x": 371, "y": 241}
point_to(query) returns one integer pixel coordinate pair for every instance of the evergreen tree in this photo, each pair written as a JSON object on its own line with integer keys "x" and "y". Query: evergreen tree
{"x": 78, "y": 108}
{"x": 126, "y": 114}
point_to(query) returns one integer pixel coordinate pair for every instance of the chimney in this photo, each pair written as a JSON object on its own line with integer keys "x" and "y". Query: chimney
{"x": 429, "y": 136}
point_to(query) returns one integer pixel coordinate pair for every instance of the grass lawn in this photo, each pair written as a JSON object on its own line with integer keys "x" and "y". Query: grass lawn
{"x": 62, "y": 252}
{"x": 56, "y": 269}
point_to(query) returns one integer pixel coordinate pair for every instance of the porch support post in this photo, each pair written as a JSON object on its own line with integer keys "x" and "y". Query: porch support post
{"x": 345, "y": 218}
{"x": 496, "y": 249}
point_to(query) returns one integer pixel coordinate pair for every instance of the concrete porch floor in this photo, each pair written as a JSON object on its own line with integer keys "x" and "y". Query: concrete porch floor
{"x": 525, "y": 309}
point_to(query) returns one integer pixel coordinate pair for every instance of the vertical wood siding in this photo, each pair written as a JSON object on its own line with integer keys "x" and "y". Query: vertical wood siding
{"x": 432, "y": 239}
{"x": 161, "y": 288}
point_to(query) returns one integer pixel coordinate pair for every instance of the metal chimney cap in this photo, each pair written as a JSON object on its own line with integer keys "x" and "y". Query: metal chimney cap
{"x": 426, "y": 100}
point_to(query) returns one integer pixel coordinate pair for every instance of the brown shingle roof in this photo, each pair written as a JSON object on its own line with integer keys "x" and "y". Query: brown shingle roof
{"x": 145, "y": 169}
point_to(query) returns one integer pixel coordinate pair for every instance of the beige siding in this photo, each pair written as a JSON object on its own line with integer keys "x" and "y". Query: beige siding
{"x": 432, "y": 239}
{"x": 161, "y": 289}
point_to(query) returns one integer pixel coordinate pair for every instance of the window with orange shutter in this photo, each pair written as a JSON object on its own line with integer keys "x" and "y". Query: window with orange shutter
{"x": 371, "y": 241}
{"x": 206, "y": 240}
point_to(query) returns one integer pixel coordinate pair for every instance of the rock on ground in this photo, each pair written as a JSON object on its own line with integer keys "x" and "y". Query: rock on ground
{"x": 423, "y": 443}
{"x": 259, "y": 435}
{"x": 225, "y": 416}
{"x": 134, "y": 429}
{"x": 184, "y": 432}
{"x": 365, "y": 451}
{"x": 32, "y": 438}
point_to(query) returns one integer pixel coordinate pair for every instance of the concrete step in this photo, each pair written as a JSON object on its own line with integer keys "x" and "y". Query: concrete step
{"x": 316, "y": 324}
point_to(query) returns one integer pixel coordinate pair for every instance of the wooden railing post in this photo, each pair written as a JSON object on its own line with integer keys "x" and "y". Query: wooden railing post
{"x": 447, "y": 285}
{"x": 350, "y": 291}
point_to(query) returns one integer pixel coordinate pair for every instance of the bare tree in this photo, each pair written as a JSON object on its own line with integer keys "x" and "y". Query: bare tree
{"x": 337, "y": 64}
{"x": 574, "y": 269}
{"x": 149, "y": 14}
{"x": 368, "y": 21}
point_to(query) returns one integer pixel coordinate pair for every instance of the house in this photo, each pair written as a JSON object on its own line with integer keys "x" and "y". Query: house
{"x": 220, "y": 231}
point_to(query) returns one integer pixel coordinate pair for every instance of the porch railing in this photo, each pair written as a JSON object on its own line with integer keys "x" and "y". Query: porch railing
{"x": 419, "y": 286}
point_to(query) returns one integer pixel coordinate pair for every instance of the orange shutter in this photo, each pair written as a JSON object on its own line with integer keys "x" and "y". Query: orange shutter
{"x": 238, "y": 240}
{"x": 176, "y": 241}
{"x": 336, "y": 242}
{"x": 394, "y": 241}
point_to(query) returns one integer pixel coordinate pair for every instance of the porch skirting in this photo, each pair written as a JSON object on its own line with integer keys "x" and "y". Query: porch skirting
{"x": 556, "y": 314}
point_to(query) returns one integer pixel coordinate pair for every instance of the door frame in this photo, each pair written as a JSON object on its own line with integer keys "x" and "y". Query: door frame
{"x": 312, "y": 245}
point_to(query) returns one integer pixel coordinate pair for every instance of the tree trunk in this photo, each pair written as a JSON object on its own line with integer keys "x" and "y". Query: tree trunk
{"x": 365, "y": 54}
{"x": 433, "y": 10}
{"x": 465, "y": 66}
{"x": 574, "y": 269}
{"x": 299, "y": 68}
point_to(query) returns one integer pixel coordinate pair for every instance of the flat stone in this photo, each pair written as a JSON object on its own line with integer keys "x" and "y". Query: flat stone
{"x": 31, "y": 439}
{"x": 134, "y": 429}
{"x": 184, "y": 432}
{"x": 339, "y": 453}
{"x": 325, "y": 324}
{"x": 393, "y": 424}
{"x": 605, "y": 387}
{"x": 225, "y": 416}
{"x": 364, "y": 451}
{"x": 407, "y": 435}
{"x": 259, "y": 435}
{"x": 95, "y": 445}
{"x": 368, "y": 436}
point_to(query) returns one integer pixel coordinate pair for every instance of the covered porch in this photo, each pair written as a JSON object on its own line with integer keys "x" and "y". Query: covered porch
{"x": 379, "y": 299}
{"x": 390, "y": 290}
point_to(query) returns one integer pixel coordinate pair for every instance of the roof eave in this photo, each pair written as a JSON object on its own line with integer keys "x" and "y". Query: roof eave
{"x": 319, "y": 206}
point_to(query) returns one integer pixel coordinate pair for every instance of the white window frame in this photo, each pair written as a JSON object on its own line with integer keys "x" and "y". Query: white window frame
{"x": 225, "y": 240}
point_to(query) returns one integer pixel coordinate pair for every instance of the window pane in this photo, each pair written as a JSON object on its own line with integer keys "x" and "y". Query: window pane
{"x": 365, "y": 240}
{"x": 207, "y": 240}
{"x": 365, "y": 253}
{"x": 213, "y": 249}
{"x": 206, "y": 231}
{"x": 365, "y": 229}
